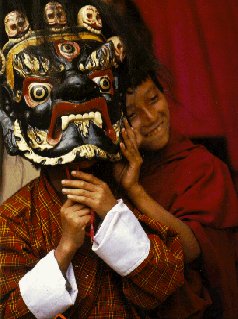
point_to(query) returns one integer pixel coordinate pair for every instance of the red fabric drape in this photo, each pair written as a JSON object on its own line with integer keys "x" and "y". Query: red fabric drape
{"x": 198, "y": 41}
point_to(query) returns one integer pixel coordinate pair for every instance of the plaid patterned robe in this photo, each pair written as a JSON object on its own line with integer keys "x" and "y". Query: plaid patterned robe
{"x": 30, "y": 228}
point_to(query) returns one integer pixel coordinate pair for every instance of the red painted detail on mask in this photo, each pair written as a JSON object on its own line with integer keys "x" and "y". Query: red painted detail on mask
{"x": 67, "y": 108}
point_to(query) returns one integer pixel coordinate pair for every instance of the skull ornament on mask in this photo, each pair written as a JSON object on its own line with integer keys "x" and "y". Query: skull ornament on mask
{"x": 90, "y": 18}
{"x": 119, "y": 48}
{"x": 56, "y": 109}
{"x": 16, "y": 24}
{"x": 55, "y": 15}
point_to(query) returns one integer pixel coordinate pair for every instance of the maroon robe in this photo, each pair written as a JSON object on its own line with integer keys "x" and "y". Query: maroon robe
{"x": 196, "y": 187}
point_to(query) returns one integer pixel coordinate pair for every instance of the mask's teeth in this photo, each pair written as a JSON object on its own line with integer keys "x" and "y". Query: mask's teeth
{"x": 85, "y": 116}
{"x": 79, "y": 117}
{"x": 98, "y": 119}
{"x": 72, "y": 118}
{"x": 93, "y": 116}
{"x": 65, "y": 121}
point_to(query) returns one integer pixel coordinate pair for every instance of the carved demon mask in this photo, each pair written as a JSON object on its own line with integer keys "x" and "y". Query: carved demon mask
{"x": 61, "y": 98}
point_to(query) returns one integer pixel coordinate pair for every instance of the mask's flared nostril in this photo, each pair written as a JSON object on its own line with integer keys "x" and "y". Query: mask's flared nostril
{"x": 76, "y": 87}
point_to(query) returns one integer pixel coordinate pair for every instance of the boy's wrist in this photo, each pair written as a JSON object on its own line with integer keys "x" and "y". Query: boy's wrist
{"x": 135, "y": 191}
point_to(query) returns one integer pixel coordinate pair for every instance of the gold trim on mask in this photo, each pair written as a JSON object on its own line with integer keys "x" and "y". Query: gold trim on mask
{"x": 35, "y": 40}
{"x": 2, "y": 63}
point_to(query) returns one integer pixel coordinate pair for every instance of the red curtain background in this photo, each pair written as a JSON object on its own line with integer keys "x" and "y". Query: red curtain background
{"x": 198, "y": 41}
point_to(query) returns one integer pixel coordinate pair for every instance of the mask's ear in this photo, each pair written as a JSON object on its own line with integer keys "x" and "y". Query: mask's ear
{"x": 7, "y": 119}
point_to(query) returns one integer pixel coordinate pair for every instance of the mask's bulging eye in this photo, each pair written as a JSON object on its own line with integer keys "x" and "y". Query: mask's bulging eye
{"x": 69, "y": 50}
{"x": 38, "y": 93}
{"x": 104, "y": 84}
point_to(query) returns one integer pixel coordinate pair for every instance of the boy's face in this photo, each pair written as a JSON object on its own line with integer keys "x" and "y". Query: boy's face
{"x": 148, "y": 113}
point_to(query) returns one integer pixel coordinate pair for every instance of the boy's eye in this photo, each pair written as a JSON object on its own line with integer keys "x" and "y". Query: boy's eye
{"x": 154, "y": 98}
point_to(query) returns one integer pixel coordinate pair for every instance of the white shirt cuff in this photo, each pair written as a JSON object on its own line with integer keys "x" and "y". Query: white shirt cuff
{"x": 43, "y": 288}
{"x": 121, "y": 241}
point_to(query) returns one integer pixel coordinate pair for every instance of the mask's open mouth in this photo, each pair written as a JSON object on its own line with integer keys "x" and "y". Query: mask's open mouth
{"x": 70, "y": 148}
{"x": 65, "y": 112}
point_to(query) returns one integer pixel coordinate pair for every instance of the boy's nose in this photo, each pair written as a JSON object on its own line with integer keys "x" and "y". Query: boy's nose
{"x": 149, "y": 115}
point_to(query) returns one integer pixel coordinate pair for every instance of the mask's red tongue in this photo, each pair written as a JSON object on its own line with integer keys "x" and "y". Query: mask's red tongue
{"x": 67, "y": 108}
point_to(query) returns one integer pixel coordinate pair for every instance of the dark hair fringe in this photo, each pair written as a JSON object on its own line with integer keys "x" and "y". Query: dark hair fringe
{"x": 138, "y": 40}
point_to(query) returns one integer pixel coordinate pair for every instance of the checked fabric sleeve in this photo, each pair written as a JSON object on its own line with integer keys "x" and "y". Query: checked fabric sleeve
{"x": 151, "y": 266}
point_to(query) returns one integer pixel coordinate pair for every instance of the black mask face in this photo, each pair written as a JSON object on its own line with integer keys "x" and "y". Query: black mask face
{"x": 61, "y": 100}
